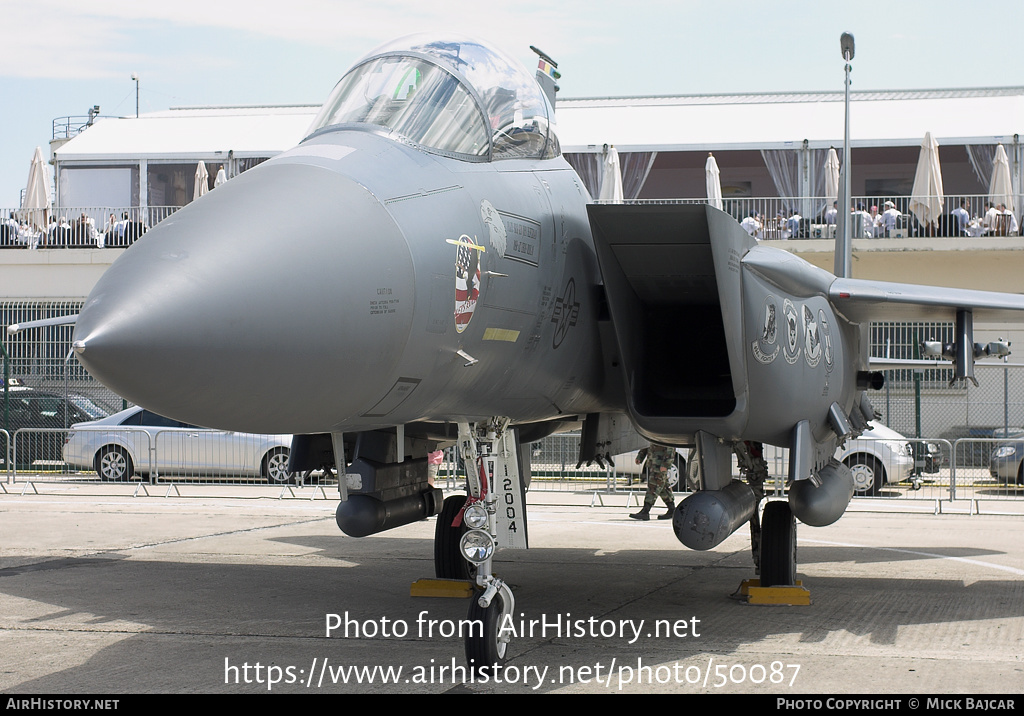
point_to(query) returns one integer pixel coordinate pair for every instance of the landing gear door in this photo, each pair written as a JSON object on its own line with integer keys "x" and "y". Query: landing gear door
{"x": 510, "y": 491}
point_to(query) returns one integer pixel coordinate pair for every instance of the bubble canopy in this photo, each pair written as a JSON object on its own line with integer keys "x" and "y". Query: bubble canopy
{"x": 457, "y": 97}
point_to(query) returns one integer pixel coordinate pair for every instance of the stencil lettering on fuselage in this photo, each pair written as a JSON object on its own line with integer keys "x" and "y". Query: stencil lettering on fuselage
{"x": 523, "y": 237}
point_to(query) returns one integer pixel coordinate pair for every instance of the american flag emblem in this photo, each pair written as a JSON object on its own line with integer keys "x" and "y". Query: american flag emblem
{"x": 467, "y": 284}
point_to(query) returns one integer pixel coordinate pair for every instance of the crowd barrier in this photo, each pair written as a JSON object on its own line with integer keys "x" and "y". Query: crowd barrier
{"x": 5, "y": 455}
{"x": 125, "y": 454}
{"x": 937, "y": 470}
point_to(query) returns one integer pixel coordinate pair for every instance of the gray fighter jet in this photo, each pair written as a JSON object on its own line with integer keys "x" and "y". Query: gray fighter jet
{"x": 425, "y": 269}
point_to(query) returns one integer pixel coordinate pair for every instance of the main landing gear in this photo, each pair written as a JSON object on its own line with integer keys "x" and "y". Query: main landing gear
{"x": 773, "y": 535}
{"x": 471, "y": 527}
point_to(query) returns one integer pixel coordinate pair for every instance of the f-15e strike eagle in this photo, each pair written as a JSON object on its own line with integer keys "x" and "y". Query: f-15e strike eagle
{"x": 426, "y": 269}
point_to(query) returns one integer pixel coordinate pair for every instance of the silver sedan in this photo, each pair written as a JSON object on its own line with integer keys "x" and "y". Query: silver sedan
{"x": 138, "y": 441}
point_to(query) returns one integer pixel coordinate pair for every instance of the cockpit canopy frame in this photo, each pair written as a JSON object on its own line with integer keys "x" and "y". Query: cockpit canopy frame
{"x": 455, "y": 97}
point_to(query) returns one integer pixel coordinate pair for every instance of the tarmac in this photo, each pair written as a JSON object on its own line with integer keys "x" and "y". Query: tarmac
{"x": 232, "y": 589}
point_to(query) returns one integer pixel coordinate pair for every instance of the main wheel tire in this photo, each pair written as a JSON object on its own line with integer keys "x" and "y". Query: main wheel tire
{"x": 448, "y": 560}
{"x": 778, "y": 545}
{"x": 114, "y": 464}
{"x": 868, "y": 474}
{"x": 275, "y": 467}
{"x": 484, "y": 650}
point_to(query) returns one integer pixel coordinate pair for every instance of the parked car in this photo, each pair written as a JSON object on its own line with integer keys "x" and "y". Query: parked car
{"x": 30, "y": 408}
{"x": 118, "y": 447}
{"x": 1007, "y": 461}
{"x": 878, "y": 457}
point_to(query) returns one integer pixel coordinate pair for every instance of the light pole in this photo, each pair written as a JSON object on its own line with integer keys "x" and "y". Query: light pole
{"x": 135, "y": 76}
{"x": 843, "y": 247}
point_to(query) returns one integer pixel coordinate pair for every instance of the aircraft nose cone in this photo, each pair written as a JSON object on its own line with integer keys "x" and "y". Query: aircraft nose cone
{"x": 290, "y": 280}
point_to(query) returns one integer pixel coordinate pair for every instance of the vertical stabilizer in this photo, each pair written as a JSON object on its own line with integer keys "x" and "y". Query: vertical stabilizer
{"x": 547, "y": 75}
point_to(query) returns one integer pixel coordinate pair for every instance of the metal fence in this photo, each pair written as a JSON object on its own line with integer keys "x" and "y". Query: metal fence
{"x": 892, "y": 469}
{"x": 922, "y": 403}
{"x": 153, "y": 456}
{"x": 815, "y": 222}
{"x": 78, "y": 227}
{"x": 923, "y": 470}
{"x": 39, "y": 363}
{"x": 117, "y": 227}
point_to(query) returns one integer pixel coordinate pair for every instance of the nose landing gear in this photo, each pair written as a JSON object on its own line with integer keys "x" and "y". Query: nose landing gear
{"x": 472, "y": 527}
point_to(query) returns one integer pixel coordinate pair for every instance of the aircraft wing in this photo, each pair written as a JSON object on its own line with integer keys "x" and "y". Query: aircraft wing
{"x": 862, "y": 300}
{"x": 922, "y": 363}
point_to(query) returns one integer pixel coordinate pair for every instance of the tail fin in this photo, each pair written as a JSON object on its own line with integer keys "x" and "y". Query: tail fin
{"x": 547, "y": 74}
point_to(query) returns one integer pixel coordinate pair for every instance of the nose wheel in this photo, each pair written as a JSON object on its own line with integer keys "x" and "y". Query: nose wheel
{"x": 489, "y": 637}
{"x": 448, "y": 560}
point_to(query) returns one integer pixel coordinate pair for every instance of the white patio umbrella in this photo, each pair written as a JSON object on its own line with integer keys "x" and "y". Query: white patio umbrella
{"x": 714, "y": 182}
{"x": 37, "y": 193}
{"x": 926, "y": 196}
{"x": 832, "y": 176}
{"x": 611, "y": 178}
{"x": 202, "y": 184}
{"x": 222, "y": 178}
{"x": 1000, "y": 189}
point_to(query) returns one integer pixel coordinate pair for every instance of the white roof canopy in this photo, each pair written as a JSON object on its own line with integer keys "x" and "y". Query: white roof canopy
{"x": 208, "y": 133}
{"x": 780, "y": 121}
{"x": 683, "y": 123}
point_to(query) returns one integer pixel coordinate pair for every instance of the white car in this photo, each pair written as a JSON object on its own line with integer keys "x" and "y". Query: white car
{"x": 137, "y": 441}
{"x": 878, "y": 457}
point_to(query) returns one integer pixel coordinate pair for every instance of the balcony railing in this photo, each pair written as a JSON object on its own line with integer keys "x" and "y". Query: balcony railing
{"x": 78, "y": 227}
{"x": 774, "y": 216}
{"x": 105, "y": 227}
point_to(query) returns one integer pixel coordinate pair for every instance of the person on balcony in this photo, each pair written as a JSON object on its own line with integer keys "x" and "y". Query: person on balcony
{"x": 863, "y": 227}
{"x": 10, "y": 232}
{"x": 793, "y": 226}
{"x": 877, "y": 229}
{"x": 990, "y": 222}
{"x": 889, "y": 218}
{"x": 1009, "y": 220}
{"x": 752, "y": 224}
{"x": 832, "y": 213}
{"x": 961, "y": 218}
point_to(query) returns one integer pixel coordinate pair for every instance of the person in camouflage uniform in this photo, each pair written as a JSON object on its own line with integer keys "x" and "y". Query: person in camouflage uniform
{"x": 660, "y": 460}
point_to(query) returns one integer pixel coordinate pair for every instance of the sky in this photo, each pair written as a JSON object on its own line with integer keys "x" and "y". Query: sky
{"x": 61, "y": 57}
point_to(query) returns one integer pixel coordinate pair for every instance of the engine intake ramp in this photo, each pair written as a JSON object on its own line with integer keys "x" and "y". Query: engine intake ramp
{"x": 666, "y": 281}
